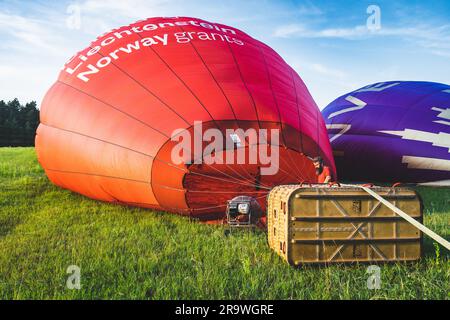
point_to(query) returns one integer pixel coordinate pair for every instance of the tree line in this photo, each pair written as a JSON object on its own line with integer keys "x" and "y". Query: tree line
{"x": 18, "y": 123}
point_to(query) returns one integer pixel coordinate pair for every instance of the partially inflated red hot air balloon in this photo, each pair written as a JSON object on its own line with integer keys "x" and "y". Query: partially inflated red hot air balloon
{"x": 112, "y": 124}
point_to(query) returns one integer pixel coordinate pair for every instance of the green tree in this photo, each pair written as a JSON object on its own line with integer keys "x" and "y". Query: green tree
{"x": 18, "y": 123}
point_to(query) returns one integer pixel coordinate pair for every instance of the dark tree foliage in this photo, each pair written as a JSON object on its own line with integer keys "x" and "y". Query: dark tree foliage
{"x": 18, "y": 123}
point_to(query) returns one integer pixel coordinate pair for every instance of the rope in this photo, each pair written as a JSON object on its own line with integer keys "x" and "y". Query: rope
{"x": 405, "y": 216}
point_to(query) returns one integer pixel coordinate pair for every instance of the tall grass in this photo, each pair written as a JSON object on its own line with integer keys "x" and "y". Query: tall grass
{"x": 130, "y": 253}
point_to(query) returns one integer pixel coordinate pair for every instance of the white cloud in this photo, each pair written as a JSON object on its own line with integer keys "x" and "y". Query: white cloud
{"x": 7, "y": 71}
{"x": 324, "y": 82}
{"x": 437, "y": 38}
{"x": 33, "y": 51}
{"x": 445, "y": 54}
{"x": 331, "y": 72}
{"x": 309, "y": 9}
{"x": 35, "y": 46}
{"x": 28, "y": 34}
{"x": 301, "y": 31}
{"x": 133, "y": 9}
{"x": 290, "y": 30}
{"x": 26, "y": 80}
{"x": 98, "y": 16}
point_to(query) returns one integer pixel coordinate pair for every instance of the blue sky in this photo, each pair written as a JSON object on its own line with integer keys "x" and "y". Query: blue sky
{"x": 327, "y": 42}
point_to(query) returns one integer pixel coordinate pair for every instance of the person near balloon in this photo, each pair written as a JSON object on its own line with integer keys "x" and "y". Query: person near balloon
{"x": 322, "y": 171}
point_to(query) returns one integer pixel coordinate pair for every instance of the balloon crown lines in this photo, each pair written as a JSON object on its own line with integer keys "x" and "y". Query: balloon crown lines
{"x": 227, "y": 146}
{"x": 92, "y": 60}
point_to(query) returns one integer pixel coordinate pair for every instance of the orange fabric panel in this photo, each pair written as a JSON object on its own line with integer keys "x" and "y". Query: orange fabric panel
{"x": 94, "y": 168}
{"x": 92, "y": 118}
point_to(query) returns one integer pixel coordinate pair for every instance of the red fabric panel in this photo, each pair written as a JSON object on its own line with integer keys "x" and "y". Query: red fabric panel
{"x": 106, "y": 123}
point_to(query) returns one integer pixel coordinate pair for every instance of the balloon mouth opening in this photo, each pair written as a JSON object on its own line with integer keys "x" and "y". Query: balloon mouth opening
{"x": 209, "y": 187}
{"x": 202, "y": 187}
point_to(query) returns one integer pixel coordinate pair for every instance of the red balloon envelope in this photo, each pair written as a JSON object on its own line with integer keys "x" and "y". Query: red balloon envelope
{"x": 120, "y": 108}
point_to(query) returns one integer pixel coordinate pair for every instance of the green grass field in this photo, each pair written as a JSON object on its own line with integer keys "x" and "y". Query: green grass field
{"x": 129, "y": 253}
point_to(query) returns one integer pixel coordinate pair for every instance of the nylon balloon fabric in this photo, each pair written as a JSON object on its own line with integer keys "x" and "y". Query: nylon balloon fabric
{"x": 108, "y": 123}
{"x": 397, "y": 131}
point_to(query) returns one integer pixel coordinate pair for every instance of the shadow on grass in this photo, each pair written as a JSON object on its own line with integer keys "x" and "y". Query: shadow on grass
{"x": 430, "y": 249}
{"x": 17, "y": 201}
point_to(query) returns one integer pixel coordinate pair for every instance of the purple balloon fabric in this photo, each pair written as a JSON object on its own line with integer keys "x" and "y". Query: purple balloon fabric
{"x": 395, "y": 131}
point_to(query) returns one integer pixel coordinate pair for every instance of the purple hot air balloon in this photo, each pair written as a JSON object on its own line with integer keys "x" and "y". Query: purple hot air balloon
{"x": 392, "y": 131}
